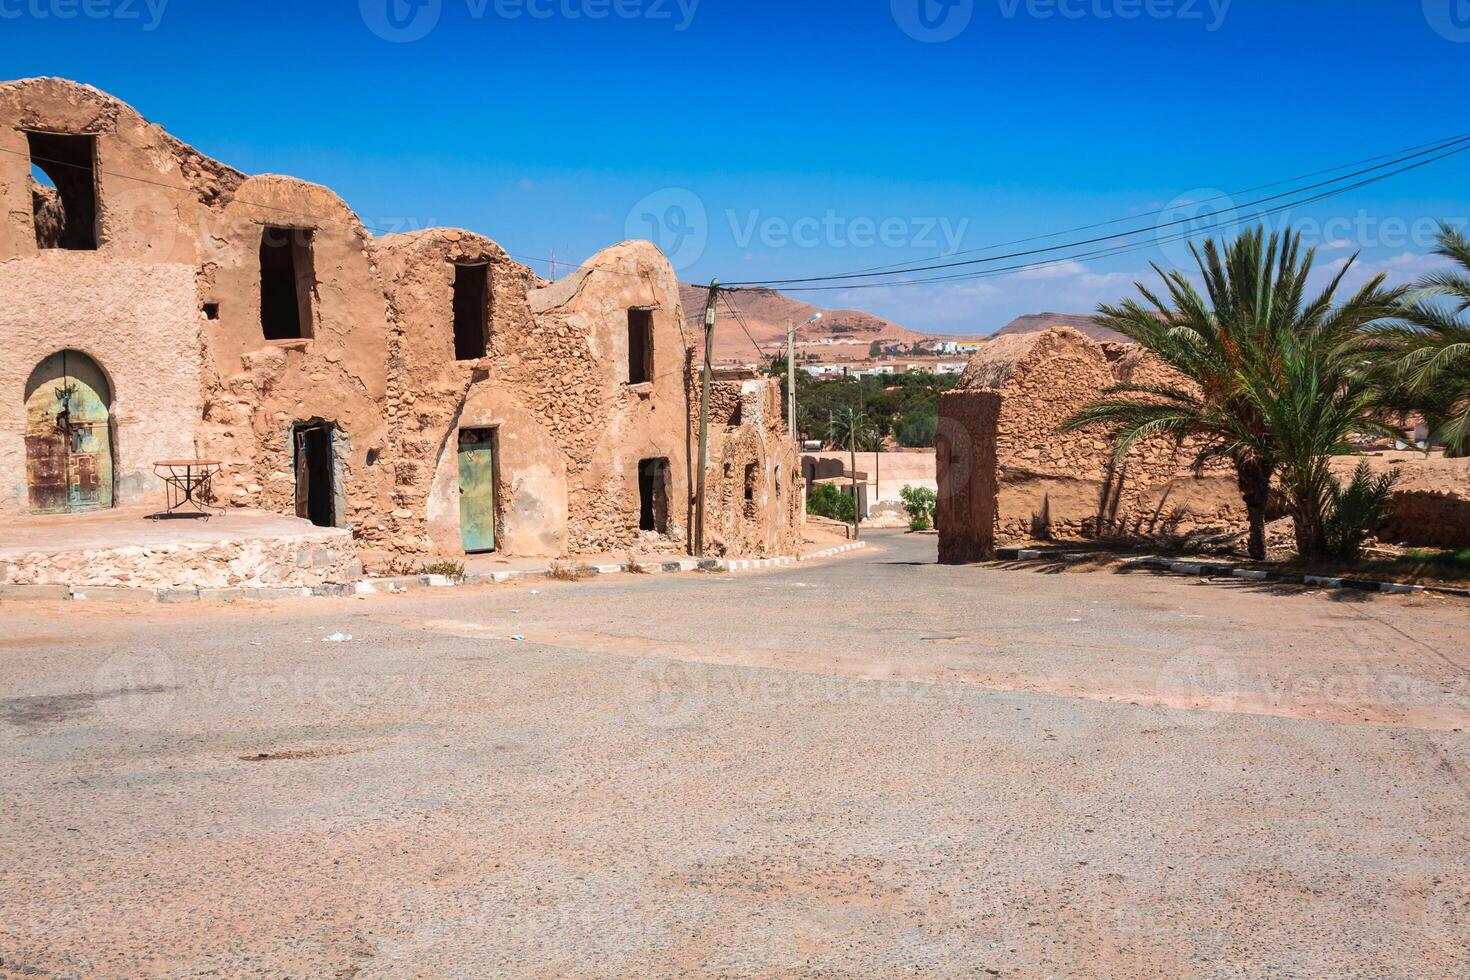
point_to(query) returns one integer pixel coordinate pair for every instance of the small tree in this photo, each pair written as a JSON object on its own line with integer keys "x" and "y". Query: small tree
{"x": 825, "y": 500}
{"x": 920, "y": 503}
{"x": 1355, "y": 510}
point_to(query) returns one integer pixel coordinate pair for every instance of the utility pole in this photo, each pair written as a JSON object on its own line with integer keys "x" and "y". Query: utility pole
{"x": 709, "y": 345}
{"x": 852, "y": 446}
{"x": 791, "y": 380}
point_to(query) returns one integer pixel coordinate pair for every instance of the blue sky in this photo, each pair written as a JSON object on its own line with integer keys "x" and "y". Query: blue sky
{"x": 761, "y": 140}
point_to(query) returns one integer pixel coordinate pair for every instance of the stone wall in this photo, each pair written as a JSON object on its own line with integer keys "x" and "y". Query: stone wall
{"x": 1051, "y": 484}
{"x": 1431, "y": 501}
{"x": 132, "y": 319}
{"x": 322, "y": 556}
{"x": 170, "y": 306}
{"x": 966, "y": 473}
{"x": 755, "y": 501}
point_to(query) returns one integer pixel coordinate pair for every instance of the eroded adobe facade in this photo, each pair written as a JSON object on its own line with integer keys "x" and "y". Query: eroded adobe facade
{"x": 424, "y": 390}
{"x": 1007, "y": 472}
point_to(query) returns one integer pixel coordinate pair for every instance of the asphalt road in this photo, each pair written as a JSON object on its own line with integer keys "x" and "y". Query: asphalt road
{"x": 868, "y": 766}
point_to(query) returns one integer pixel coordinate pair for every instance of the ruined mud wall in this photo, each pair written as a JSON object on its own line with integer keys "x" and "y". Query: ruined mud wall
{"x": 1055, "y": 484}
{"x": 577, "y": 361}
{"x": 755, "y": 505}
{"x": 129, "y": 304}
{"x": 258, "y": 391}
{"x": 966, "y": 473}
{"x": 432, "y": 396}
{"x": 170, "y": 305}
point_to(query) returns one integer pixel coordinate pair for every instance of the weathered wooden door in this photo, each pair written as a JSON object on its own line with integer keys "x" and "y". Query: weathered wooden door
{"x": 68, "y": 435}
{"x": 477, "y": 489}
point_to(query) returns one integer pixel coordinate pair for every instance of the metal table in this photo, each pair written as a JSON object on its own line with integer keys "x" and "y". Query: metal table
{"x": 187, "y": 485}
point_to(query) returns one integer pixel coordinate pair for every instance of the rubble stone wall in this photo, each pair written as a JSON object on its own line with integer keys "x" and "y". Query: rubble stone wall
{"x": 750, "y": 451}
{"x": 965, "y": 514}
{"x": 1055, "y": 484}
{"x": 170, "y": 303}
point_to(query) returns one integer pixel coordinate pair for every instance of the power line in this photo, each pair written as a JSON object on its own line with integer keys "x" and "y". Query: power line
{"x": 1230, "y": 196}
{"x": 1124, "y": 248}
{"x": 1462, "y": 143}
{"x": 740, "y": 318}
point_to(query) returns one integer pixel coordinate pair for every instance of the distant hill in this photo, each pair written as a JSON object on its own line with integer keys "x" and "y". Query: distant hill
{"x": 1036, "y": 322}
{"x": 766, "y": 312}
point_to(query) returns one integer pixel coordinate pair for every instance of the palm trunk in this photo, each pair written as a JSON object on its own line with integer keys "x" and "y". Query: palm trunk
{"x": 1311, "y": 537}
{"x": 1254, "y": 479}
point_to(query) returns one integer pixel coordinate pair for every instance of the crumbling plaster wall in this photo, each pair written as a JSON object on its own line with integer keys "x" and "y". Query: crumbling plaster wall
{"x": 431, "y": 396}
{"x": 1064, "y": 484}
{"x": 578, "y": 365}
{"x": 746, "y": 430}
{"x": 180, "y": 233}
{"x": 130, "y": 305}
{"x": 131, "y": 318}
{"x": 1055, "y": 484}
{"x": 257, "y": 391}
{"x": 965, "y": 513}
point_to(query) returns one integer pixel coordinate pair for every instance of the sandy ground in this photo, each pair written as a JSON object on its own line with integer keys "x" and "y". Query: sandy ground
{"x": 867, "y": 765}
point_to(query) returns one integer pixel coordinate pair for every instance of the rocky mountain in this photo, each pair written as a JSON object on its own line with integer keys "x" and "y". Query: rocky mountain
{"x": 765, "y": 312}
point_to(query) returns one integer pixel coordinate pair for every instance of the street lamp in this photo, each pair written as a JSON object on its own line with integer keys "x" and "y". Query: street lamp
{"x": 791, "y": 376}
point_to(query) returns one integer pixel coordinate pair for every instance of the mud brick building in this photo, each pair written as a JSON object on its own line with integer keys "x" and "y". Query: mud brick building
{"x": 1006, "y": 472}
{"x": 424, "y": 390}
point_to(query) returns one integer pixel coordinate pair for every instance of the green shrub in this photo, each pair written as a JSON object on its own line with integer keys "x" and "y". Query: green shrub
{"x": 1355, "y": 510}
{"x": 920, "y": 502}
{"x": 826, "y": 500}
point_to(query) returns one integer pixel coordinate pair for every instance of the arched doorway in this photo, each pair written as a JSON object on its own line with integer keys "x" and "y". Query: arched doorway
{"x": 68, "y": 435}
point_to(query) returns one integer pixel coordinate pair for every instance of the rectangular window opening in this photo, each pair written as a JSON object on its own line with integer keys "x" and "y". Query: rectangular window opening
{"x": 64, "y": 190}
{"x": 471, "y": 311}
{"x": 640, "y": 346}
{"x": 287, "y": 282}
{"x": 752, "y": 480}
{"x": 653, "y": 495}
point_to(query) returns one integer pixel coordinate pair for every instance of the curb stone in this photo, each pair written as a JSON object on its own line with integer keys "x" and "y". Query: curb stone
{"x": 1216, "y": 570}
{"x": 398, "y": 584}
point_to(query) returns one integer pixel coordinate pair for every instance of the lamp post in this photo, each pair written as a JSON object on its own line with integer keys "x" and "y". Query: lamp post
{"x": 791, "y": 376}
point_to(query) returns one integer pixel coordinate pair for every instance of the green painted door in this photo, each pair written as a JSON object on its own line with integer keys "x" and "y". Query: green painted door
{"x": 68, "y": 435}
{"x": 477, "y": 489}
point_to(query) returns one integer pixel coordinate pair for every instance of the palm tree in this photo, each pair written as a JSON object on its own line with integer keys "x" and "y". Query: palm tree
{"x": 1425, "y": 357}
{"x": 1229, "y": 344}
{"x": 1312, "y": 392}
{"x": 852, "y": 427}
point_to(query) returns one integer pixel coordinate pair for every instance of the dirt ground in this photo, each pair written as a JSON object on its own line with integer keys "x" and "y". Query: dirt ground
{"x": 870, "y": 765}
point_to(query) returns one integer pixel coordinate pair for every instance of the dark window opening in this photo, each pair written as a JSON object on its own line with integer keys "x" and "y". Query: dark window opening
{"x": 64, "y": 203}
{"x": 471, "y": 311}
{"x": 211, "y": 311}
{"x": 287, "y": 280}
{"x": 640, "y": 346}
{"x": 315, "y": 486}
{"x": 752, "y": 479}
{"x": 738, "y": 416}
{"x": 653, "y": 495}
